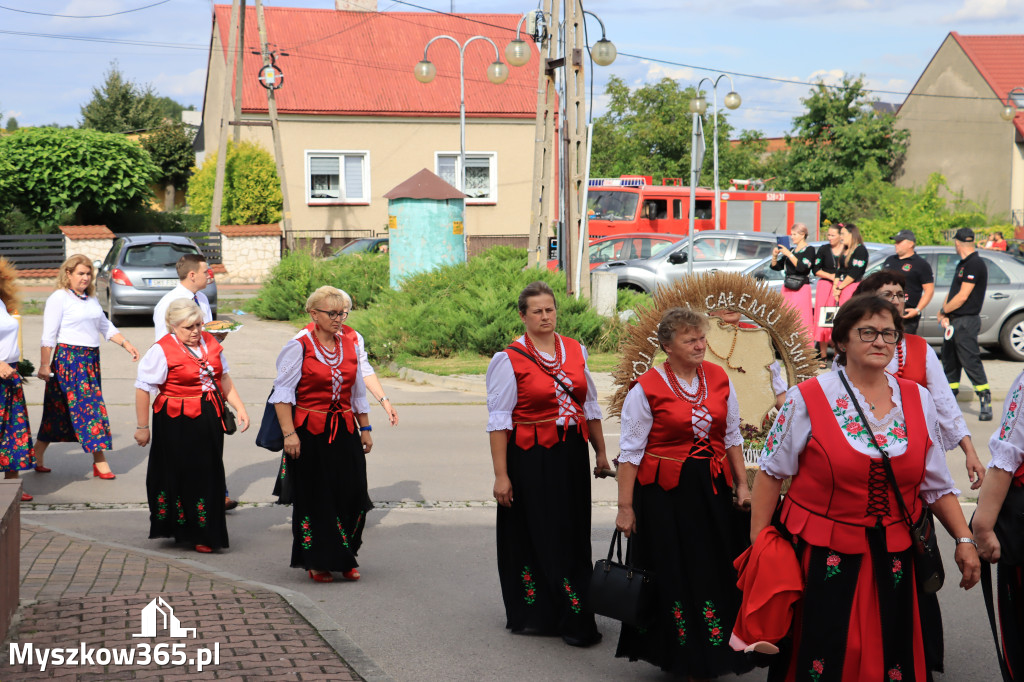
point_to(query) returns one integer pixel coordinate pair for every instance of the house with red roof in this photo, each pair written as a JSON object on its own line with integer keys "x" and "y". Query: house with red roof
{"x": 953, "y": 115}
{"x": 355, "y": 122}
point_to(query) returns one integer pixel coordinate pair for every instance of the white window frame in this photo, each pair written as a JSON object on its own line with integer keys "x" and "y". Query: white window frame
{"x": 342, "y": 198}
{"x": 492, "y": 158}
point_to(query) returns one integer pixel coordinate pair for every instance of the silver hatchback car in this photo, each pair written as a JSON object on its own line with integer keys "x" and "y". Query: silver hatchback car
{"x": 139, "y": 270}
{"x": 713, "y": 250}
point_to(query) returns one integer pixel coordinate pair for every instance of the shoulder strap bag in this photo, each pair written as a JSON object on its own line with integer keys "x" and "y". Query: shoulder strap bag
{"x": 270, "y": 436}
{"x": 927, "y": 561}
{"x": 227, "y": 417}
{"x": 620, "y": 591}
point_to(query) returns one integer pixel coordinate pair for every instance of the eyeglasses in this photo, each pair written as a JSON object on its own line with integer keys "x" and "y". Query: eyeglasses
{"x": 869, "y": 334}
{"x": 333, "y": 314}
{"x": 893, "y": 296}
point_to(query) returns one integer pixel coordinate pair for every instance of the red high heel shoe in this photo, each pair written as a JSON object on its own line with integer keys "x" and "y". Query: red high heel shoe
{"x": 43, "y": 470}
{"x": 322, "y": 577}
{"x": 106, "y": 477}
{"x": 25, "y": 497}
{"x": 352, "y": 574}
{"x": 204, "y": 549}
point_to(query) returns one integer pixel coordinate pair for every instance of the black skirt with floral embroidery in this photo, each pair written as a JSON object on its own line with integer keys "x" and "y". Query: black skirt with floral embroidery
{"x": 544, "y": 549}
{"x": 185, "y": 478}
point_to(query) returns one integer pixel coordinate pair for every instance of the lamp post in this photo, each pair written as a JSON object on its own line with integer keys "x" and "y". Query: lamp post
{"x": 1014, "y": 100}
{"x": 497, "y": 72}
{"x": 699, "y": 105}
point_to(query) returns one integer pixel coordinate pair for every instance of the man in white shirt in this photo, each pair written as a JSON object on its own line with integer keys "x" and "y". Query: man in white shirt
{"x": 193, "y": 273}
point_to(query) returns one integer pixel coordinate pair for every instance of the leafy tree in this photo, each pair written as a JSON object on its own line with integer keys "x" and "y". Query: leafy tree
{"x": 252, "y": 190}
{"x": 46, "y": 173}
{"x": 170, "y": 109}
{"x": 12, "y": 124}
{"x": 170, "y": 148}
{"x": 838, "y": 135}
{"x": 647, "y": 131}
{"x": 121, "y": 106}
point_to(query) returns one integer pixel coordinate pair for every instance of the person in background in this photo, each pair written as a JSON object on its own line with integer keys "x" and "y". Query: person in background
{"x": 797, "y": 263}
{"x": 996, "y": 242}
{"x": 73, "y": 407}
{"x": 826, "y": 265}
{"x": 15, "y": 434}
{"x": 851, "y": 265}
{"x": 920, "y": 286}
{"x": 194, "y": 275}
{"x": 961, "y": 313}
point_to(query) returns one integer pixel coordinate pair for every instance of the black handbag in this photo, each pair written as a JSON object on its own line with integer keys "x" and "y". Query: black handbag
{"x": 227, "y": 417}
{"x": 794, "y": 282}
{"x": 927, "y": 560}
{"x": 621, "y": 592}
{"x": 270, "y": 436}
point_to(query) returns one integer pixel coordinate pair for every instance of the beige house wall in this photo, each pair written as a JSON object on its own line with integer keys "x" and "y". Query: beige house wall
{"x": 964, "y": 139}
{"x": 398, "y": 148}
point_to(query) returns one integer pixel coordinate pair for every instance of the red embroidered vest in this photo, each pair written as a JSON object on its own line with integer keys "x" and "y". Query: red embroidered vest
{"x": 344, "y": 331}
{"x": 533, "y": 418}
{"x": 827, "y": 503}
{"x": 314, "y": 404}
{"x": 671, "y": 440}
{"x": 1018, "y": 477}
{"x": 182, "y": 391}
{"x": 916, "y": 363}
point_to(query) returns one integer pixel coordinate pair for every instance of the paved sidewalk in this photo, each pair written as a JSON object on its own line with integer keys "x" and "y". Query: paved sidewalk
{"x": 76, "y": 591}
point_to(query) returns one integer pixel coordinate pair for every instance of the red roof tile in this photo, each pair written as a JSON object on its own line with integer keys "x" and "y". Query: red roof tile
{"x": 86, "y": 232}
{"x": 999, "y": 60}
{"x": 273, "y": 230}
{"x": 218, "y": 269}
{"x": 361, "y": 63}
{"x": 38, "y": 273}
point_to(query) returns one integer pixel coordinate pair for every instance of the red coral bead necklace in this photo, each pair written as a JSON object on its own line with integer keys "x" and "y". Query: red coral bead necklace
{"x": 681, "y": 393}
{"x": 550, "y": 366}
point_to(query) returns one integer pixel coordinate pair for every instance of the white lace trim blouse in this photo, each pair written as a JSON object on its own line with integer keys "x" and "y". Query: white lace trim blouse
{"x": 69, "y": 320}
{"x": 1007, "y": 443}
{"x": 289, "y": 372}
{"x": 503, "y": 393}
{"x": 152, "y": 373}
{"x": 636, "y": 419}
{"x": 364, "y": 362}
{"x": 791, "y": 432}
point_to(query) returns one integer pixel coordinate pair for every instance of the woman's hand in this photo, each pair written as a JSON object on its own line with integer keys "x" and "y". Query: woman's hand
{"x": 966, "y": 558}
{"x": 44, "y": 372}
{"x": 243, "y": 417}
{"x": 602, "y": 463}
{"x": 975, "y": 471}
{"x": 132, "y": 350}
{"x": 392, "y": 414}
{"x": 366, "y": 438}
{"x": 6, "y": 371}
{"x": 742, "y": 493}
{"x": 291, "y": 445}
{"x": 503, "y": 490}
{"x": 142, "y": 437}
{"x": 988, "y": 544}
{"x": 625, "y": 521}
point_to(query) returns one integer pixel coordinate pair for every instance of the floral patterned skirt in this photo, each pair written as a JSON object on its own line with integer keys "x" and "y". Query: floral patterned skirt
{"x": 15, "y": 435}
{"x": 328, "y": 489}
{"x": 544, "y": 551}
{"x": 73, "y": 408}
{"x": 688, "y": 537}
{"x": 185, "y": 478}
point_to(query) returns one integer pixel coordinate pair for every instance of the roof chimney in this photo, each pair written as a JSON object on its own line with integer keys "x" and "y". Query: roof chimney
{"x": 356, "y": 5}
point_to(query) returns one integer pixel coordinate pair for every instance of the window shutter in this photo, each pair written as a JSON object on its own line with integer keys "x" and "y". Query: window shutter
{"x": 323, "y": 165}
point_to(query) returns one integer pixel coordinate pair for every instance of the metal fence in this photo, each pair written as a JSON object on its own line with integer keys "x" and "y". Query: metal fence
{"x": 478, "y": 243}
{"x": 33, "y": 251}
{"x": 209, "y": 243}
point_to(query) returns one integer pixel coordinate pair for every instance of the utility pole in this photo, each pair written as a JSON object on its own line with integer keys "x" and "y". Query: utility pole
{"x": 578, "y": 256}
{"x": 275, "y": 130}
{"x": 544, "y": 138}
{"x": 239, "y": 71}
{"x": 225, "y": 118}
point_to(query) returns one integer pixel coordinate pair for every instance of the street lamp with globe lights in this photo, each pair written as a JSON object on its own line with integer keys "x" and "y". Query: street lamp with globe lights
{"x": 698, "y": 105}
{"x": 1014, "y": 101}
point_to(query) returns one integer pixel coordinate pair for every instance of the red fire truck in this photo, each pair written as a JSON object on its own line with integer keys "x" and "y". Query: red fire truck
{"x": 633, "y": 203}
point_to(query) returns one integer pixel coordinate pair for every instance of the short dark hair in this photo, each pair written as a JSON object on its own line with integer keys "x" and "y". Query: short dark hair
{"x": 190, "y": 262}
{"x": 874, "y": 282}
{"x": 679, "y": 319}
{"x": 855, "y": 310}
{"x": 537, "y": 288}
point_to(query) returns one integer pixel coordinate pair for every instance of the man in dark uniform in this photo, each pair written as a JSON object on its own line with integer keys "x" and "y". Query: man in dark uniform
{"x": 961, "y": 313}
{"x": 920, "y": 281}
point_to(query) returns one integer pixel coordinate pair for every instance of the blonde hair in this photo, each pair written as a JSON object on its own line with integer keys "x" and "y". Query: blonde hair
{"x": 329, "y": 294}
{"x": 9, "y": 285}
{"x": 181, "y": 311}
{"x": 69, "y": 266}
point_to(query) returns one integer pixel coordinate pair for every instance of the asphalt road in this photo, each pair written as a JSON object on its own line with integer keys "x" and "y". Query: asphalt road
{"x": 428, "y": 606}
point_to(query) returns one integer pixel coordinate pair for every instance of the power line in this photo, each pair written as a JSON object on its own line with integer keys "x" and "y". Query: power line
{"x": 109, "y": 41}
{"x": 83, "y": 16}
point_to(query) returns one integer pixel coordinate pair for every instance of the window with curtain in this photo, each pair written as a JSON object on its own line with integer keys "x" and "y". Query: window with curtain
{"x": 337, "y": 176}
{"x": 481, "y": 174}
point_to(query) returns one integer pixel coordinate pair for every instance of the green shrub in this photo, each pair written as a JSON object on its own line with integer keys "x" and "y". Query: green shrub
{"x": 252, "y": 191}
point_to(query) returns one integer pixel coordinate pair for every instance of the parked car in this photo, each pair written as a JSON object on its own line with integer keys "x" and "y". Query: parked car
{"x": 625, "y": 247}
{"x": 364, "y": 245}
{"x": 139, "y": 270}
{"x": 1002, "y": 315}
{"x": 713, "y": 250}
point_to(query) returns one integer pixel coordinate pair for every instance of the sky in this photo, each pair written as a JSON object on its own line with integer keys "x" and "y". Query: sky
{"x": 50, "y": 74}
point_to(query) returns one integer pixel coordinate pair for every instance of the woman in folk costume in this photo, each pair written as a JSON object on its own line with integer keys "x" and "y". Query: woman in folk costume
{"x": 1006, "y": 472}
{"x": 797, "y": 263}
{"x": 542, "y": 409}
{"x": 320, "y": 402}
{"x": 826, "y": 266}
{"x": 680, "y": 459}
{"x": 15, "y": 435}
{"x": 188, "y": 372}
{"x": 73, "y": 407}
{"x": 852, "y": 540}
